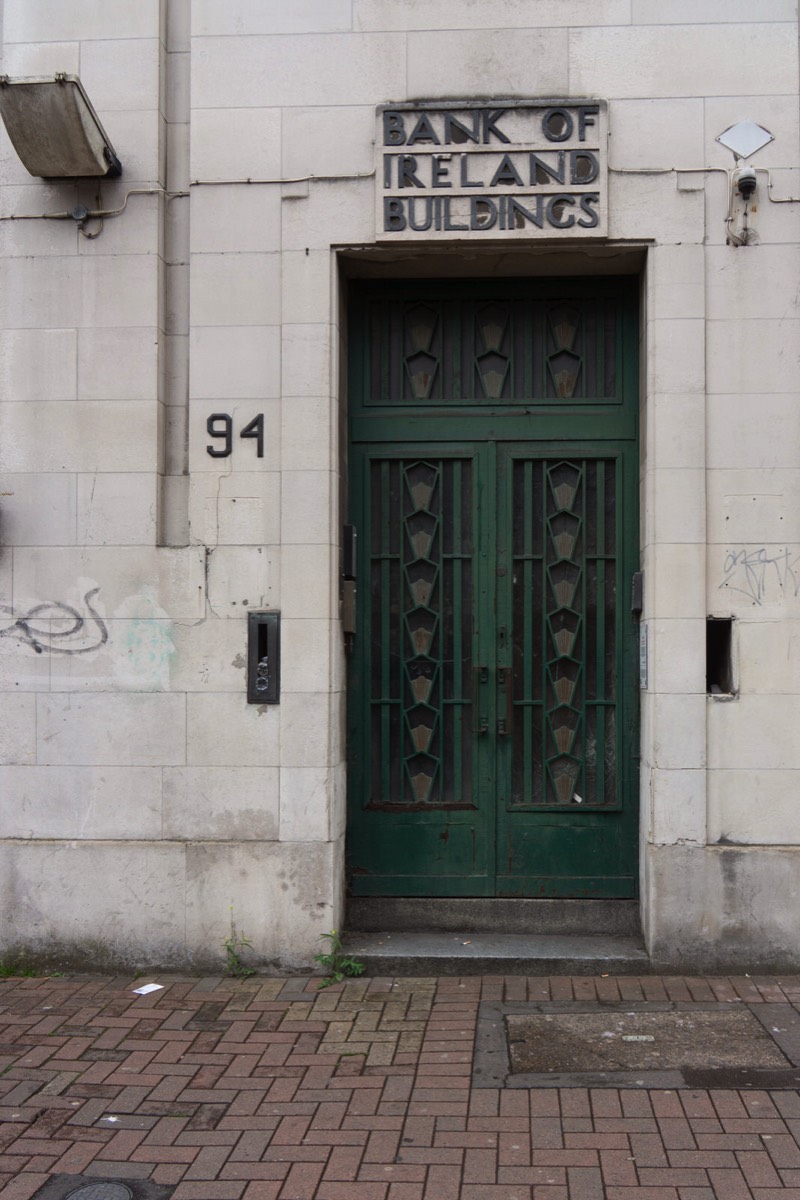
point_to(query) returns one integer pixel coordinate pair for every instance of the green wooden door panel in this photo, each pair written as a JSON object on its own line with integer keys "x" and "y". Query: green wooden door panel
{"x": 492, "y": 693}
{"x": 422, "y": 775}
{"x": 586, "y": 858}
{"x": 408, "y": 856}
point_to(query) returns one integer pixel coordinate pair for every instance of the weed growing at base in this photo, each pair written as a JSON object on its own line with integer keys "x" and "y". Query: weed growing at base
{"x": 233, "y": 947}
{"x": 339, "y": 966}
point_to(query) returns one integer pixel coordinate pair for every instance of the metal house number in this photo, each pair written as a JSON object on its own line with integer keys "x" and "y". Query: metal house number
{"x": 220, "y": 425}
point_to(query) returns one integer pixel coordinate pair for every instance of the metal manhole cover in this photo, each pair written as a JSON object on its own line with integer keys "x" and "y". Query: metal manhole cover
{"x": 87, "y": 1187}
{"x": 101, "y": 1191}
{"x": 640, "y": 1041}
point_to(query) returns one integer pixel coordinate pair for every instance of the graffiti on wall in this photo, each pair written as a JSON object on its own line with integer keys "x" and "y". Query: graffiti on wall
{"x": 762, "y": 573}
{"x": 56, "y": 628}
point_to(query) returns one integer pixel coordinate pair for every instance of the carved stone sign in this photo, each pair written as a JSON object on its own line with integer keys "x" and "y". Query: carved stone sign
{"x": 508, "y": 170}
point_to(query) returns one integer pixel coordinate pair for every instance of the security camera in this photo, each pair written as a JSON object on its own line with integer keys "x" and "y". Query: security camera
{"x": 744, "y": 180}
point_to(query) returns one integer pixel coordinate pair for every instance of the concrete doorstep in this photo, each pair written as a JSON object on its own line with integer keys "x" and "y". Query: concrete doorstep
{"x": 408, "y": 936}
{"x": 418, "y": 953}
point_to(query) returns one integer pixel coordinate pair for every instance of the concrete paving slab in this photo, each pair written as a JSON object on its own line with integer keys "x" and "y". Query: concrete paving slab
{"x": 639, "y": 1041}
{"x": 644, "y": 1044}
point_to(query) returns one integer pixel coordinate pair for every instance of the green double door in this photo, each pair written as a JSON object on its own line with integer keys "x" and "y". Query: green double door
{"x": 492, "y": 688}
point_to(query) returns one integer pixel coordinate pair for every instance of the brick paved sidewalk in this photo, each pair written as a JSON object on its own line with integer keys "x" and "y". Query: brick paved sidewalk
{"x": 268, "y": 1089}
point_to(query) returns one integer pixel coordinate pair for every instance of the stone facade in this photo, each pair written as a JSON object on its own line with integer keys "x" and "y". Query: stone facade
{"x": 144, "y": 804}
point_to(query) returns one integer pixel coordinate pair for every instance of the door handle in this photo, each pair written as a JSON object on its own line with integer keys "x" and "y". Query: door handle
{"x": 505, "y": 725}
{"x": 479, "y": 675}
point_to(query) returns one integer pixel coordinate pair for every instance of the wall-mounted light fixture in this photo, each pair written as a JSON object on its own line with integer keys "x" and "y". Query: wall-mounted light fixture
{"x": 54, "y": 128}
{"x": 745, "y": 181}
{"x": 742, "y": 139}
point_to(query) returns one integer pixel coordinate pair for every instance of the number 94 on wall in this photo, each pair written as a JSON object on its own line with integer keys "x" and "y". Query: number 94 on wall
{"x": 220, "y": 426}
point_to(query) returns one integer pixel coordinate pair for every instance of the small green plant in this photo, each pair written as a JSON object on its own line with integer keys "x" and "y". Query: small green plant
{"x": 338, "y": 965}
{"x": 233, "y": 947}
{"x": 16, "y": 970}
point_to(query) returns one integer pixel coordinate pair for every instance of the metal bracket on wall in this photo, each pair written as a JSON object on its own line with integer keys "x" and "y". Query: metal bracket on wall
{"x": 349, "y": 537}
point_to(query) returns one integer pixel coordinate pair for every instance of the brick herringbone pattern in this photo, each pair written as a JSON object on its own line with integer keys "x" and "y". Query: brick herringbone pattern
{"x": 269, "y": 1089}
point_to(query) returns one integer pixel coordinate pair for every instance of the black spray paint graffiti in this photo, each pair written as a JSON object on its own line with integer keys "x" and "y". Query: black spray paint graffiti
{"x": 56, "y": 641}
{"x": 757, "y": 572}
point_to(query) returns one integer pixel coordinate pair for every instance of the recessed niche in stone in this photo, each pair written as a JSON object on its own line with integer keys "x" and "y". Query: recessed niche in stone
{"x": 719, "y": 656}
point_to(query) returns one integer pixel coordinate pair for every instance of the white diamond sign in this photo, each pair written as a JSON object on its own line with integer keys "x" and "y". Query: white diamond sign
{"x": 745, "y": 138}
